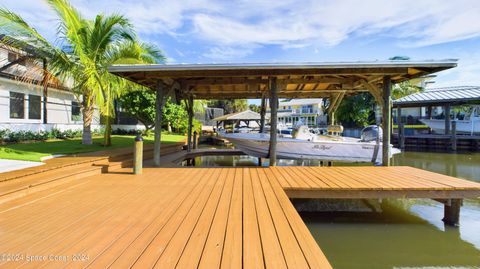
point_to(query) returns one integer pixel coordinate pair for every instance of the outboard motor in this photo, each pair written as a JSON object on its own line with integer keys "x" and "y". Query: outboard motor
{"x": 371, "y": 132}
{"x": 302, "y": 132}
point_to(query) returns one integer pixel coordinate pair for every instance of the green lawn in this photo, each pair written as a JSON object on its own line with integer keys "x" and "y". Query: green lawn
{"x": 37, "y": 150}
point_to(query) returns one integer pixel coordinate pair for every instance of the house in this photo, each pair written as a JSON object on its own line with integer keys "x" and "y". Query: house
{"x": 27, "y": 104}
{"x": 309, "y": 111}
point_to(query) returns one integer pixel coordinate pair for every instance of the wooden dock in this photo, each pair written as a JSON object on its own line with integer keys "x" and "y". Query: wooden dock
{"x": 196, "y": 217}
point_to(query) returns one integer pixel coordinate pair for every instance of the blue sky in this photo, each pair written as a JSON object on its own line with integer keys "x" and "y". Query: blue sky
{"x": 214, "y": 31}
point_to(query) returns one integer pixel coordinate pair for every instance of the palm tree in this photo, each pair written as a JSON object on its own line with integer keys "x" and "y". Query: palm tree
{"x": 93, "y": 45}
{"x": 127, "y": 53}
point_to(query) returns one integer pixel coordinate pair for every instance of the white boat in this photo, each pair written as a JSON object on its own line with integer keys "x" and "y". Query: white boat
{"x": 469, "y": 125}
{"x": 311, "y": 146}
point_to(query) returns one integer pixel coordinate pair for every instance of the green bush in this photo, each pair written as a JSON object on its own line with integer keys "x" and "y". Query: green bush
{"x": 19, "y": 136}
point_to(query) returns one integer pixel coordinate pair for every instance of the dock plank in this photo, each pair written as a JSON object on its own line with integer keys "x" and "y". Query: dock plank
{"x": 199, "y": 217}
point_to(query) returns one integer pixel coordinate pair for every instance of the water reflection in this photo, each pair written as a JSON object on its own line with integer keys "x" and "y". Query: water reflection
{"x": 393, "y": 238}
{"x": 407, "y": 234}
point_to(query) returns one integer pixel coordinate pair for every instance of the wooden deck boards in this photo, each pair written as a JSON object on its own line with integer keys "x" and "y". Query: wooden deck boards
{"x": 196, "y": 217}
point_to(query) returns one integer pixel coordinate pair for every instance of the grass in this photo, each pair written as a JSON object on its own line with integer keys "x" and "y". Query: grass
{"x": 35, "y": 151}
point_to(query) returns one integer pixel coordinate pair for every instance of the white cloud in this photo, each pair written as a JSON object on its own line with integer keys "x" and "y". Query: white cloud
{"x": 234, "y": 28}
{"x": 228, "y": 53}
{"x": 284, "y": 22}
{"x": 466, "y": 74}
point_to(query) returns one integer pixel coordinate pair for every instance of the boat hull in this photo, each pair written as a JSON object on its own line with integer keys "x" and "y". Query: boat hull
{"x": 463, "y": 126}
{"x": 322, "y": 150}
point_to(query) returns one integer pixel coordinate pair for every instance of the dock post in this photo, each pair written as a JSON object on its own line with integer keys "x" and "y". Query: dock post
{"x": 195, "y": 137}
{"x": 138, "y": 155}
{"x": 262, "y": 114}
{"x": 401, "y": 129}
{"x": 452, "y": 212}
{"x": 190, "y": 122}
{"x": 386, "y": 120}
{"x": 158, "y": 121}
{"x": 272, "y": 151}
{"x": 454, "y": 135}
{"x": 447, "y": 119}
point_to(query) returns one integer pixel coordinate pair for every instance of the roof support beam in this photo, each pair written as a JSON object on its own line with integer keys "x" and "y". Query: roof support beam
{"x": 375, "y": 91}
{"x": 386, "y": 120}
{"x": 235, "y": 80}
{"x": 272, "y": 149}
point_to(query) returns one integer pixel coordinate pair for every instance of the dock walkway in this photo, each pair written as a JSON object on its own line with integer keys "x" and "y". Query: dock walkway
{"x": 195, "y": 217}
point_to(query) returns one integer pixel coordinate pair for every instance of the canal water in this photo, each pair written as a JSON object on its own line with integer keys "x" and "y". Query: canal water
{"x": 406, "y": 233}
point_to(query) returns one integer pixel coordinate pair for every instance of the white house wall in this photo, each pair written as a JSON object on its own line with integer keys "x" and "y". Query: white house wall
{"x": 59, "y": 108}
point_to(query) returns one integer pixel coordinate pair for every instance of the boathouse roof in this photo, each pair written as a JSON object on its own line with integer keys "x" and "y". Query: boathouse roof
{"x": 297, "y": 80}
{"x": 246, "y": 115}
{"x": 456, "y": 95}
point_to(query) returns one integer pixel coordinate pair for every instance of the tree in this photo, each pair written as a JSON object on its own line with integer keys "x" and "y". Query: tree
{"x": 140, "y": 104}
{"x": 92, "y": 46}
{"x": 254, "y": 107}
{"x": 132, "y": 52}
{"x": 175, "y": 116}
{"x": 230, "y": 105}
{"x": 357, "y": 110}
{"x": 404, "y": 88}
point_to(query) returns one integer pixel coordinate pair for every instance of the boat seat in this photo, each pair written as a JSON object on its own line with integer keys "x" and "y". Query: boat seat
{"x": 335, "y": 129}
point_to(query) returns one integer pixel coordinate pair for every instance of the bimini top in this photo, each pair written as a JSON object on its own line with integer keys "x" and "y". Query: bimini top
{"x": 297, "y": 80}
{"x": 458, "y": 95}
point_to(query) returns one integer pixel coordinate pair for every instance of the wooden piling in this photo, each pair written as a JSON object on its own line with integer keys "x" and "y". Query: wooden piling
{"x": 386, "y": 120}
{"x": 401, "y": 129}
{"x": 262, "y": 114}
{"x": 158, "y": 122}
{"x": 454, "y": 135}
{"x": 452, "y": 212}
{"x": 447, "y": 119}
{"x": 272, "y": 152}
{"x": 138, "y": 155}
{"x": 190, "y": 122}
{"x": 195, "y": 140}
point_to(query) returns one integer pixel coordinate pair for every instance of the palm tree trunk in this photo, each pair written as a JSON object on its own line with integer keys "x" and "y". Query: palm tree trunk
{"x": 107, "y": 136}
{"x": 87, "y": 124}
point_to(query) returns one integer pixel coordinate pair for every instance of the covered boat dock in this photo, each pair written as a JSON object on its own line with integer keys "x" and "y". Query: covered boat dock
{"x": 447, "y": 98}
{"x": 215, "y": 217}
{"x": 274, "y": 81}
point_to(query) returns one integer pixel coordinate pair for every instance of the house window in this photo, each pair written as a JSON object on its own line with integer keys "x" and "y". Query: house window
{"x": 76, "y": 115}
{"x": 17, "y": 105}
{"x": 34, "y": 107}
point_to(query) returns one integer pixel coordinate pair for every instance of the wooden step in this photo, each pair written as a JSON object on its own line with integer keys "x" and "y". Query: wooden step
{"x": 20, "y": 189}
{"x": 53, "y": 176}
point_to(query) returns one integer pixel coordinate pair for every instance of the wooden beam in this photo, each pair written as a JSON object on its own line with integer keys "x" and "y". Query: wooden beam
{"x": 189, "y": 105}
{"x": 263, "y": 109}
{"x": 386, "y": 120}
{"x": 237, "y": 80}
{"x": 162, "y": 91}
{"x": 17, "y": 61}
{"x": 401, "y": 130}
{"x": 447, "y": 118}
{"x": 332, "y": 108}
{"x": 374, "y": 90}
{"x": 372, "y": 71}
{"x": 272, "y": 151}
